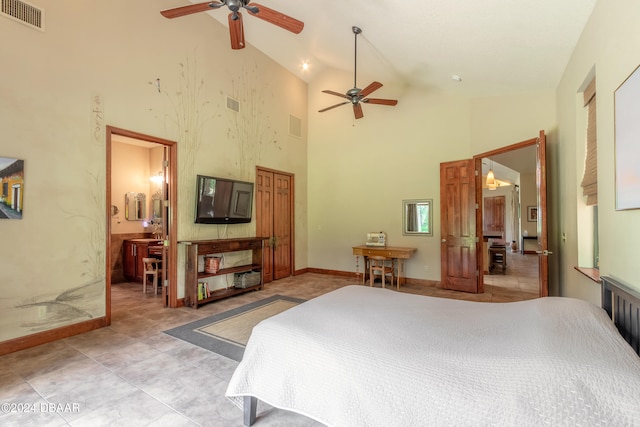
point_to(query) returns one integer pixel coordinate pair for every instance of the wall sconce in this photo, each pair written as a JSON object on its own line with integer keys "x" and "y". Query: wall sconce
{"x": 157, "y": 178}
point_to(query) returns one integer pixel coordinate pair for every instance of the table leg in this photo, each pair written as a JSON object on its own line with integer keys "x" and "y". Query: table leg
{"x": 364, "y": 268}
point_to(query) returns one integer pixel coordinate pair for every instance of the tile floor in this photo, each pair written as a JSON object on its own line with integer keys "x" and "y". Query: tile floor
{"x": 131, "y": 374}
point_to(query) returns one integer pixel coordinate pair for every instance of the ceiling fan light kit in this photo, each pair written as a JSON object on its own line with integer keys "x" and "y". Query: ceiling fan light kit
{"x": 236, "y": 28}
{"x": 357, "y": 96}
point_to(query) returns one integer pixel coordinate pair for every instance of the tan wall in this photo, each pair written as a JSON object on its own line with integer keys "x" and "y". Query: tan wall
{"x": 94, "y": 66}
{"x": 361, "y": 170}
{"x": 129, "y": 173}
{"x": 610, "y": 47}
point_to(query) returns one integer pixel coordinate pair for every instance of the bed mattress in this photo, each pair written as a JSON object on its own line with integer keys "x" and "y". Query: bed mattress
{"x": 362, "y": 356}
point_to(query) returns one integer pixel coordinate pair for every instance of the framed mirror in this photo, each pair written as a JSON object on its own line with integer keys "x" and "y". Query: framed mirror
{"x": 156, "y": 205}
{"x": 417, "y": 217}
{"x": 135, "y": 206}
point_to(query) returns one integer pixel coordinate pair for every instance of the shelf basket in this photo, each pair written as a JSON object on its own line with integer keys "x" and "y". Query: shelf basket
{"x": 245, "y": 280}
{"x": 211, "y": 264}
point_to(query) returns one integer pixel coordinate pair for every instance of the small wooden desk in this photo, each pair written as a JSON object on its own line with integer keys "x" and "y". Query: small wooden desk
{"x": 395, "y": 252}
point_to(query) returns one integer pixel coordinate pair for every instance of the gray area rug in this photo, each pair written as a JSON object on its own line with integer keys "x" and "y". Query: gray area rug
{"x": 227, "y": 333}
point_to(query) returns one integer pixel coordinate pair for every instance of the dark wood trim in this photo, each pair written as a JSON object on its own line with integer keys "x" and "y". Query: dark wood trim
{"x": 28, "y": 341}
{"x": 332, "y": 272}
{"x": 357, "y": 276}
{"x": 108, "y": 199}
{"x": 508, "y": 148}
{"x": 301, "y": 271}
{"x": 543, "y": 271}
{"x": 140, "y": 136}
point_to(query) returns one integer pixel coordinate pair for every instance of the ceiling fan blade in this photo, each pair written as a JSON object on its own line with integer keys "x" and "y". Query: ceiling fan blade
{"x": 357, "y": 111}
{"x": 236, "y": 31}
{"x": 369, "y": 89}
{"x": 192, "y": 8}
{"x": 277, "y": 18}
{"x": 341, "y": 95}
{"x": 333, "y": 106}
{"x": 380, "y": 101}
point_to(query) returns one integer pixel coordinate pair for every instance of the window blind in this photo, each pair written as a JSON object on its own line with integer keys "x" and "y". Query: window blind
{"x": 590, "y": 178}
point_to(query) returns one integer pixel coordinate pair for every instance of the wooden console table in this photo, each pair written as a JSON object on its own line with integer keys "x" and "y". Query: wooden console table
{"x": 395, "y": 252}
{"x": 198, "y": 248}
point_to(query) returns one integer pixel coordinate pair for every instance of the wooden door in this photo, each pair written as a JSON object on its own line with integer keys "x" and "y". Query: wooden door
{"x": 541, "y": 187}
{"x": 274, "y": 219}
{"x": 493, "y": 214}
{"x": 264, "y": 219}
{"x": 459, "y": 244}
{"x": 165, "y": 225}
{"x": 282, "y": 227}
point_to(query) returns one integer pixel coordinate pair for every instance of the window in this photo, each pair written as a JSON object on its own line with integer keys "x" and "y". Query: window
{"x": 588, "y": 243}
{"x": 590, "y": 178}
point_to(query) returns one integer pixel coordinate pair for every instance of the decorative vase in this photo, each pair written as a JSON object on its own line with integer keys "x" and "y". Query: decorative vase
{"x": 514, "y": 246}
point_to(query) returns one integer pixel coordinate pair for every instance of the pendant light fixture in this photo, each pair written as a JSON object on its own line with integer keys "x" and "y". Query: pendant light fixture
{"x": 491, "y": 179}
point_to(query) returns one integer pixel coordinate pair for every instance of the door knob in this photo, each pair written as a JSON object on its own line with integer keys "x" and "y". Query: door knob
{"x": 444, "y": 240}
{"x": 545, "y": 252}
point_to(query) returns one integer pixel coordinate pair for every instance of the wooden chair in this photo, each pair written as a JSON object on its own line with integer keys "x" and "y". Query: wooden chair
{"x": 380, "y": 264}
{"x": 150, "y": 269}
{"x": 498, "y": 256}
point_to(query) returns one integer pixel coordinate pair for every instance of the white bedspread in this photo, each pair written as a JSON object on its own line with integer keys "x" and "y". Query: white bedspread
{"x": 361, "y": 356}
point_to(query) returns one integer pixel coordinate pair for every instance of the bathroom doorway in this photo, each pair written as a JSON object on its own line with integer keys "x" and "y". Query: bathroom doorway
{"x": 155, "y": 222}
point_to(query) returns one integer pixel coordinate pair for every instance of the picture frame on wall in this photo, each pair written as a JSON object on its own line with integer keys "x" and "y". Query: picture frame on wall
{"x": 532, "y": 213}
{"x": 11, "y": 188}
{"x": 627, "y": 149}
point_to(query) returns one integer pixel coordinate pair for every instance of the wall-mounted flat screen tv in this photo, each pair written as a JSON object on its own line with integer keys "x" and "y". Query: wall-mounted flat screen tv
{"x": 223, "y": 200}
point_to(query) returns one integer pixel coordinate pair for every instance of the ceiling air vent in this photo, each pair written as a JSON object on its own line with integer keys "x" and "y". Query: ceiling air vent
{"x": 295, "y": 126}
{"x": 233, "y": 104}
{"x": 23, "y": 12}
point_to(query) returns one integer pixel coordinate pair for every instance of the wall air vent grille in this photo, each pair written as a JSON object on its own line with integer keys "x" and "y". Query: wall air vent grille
{"x": 295, "y": 126}
{"x": 233, "y": 104}
{"x": 23, "y": 12}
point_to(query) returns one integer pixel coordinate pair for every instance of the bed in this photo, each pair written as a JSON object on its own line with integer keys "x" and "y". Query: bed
{"x": 362, "y": 356}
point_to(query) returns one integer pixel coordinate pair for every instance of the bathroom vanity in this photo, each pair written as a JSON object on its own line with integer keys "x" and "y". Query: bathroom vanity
{"x": 133, "y": 252}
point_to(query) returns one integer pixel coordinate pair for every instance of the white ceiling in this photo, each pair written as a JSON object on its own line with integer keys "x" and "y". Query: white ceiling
{"x": 498, "y": 47}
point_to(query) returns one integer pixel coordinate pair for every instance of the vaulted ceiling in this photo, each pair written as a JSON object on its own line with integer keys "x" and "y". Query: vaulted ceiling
{"x": 497, "y": 47}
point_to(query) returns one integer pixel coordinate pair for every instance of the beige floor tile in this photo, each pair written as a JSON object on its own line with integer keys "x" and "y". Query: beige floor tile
{"x": 131, "y": 373}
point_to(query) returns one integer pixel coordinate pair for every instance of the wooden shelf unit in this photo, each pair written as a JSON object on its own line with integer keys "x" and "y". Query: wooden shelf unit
{"x": 197, "y": 248}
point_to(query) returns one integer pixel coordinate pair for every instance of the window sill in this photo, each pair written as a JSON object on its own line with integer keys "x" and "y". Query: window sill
{"x": 591, "y": 273}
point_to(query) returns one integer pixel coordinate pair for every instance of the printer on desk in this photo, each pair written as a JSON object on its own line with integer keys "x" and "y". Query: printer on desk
{"x": 377, "y": 239}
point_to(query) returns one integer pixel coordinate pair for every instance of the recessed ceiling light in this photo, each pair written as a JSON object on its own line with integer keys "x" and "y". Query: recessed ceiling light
{"x": 456, "y": 78}
{"x": 305, "y": 66}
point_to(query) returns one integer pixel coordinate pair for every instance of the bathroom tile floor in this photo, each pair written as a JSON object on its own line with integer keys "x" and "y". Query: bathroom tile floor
{"x": 132, "y": 374}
